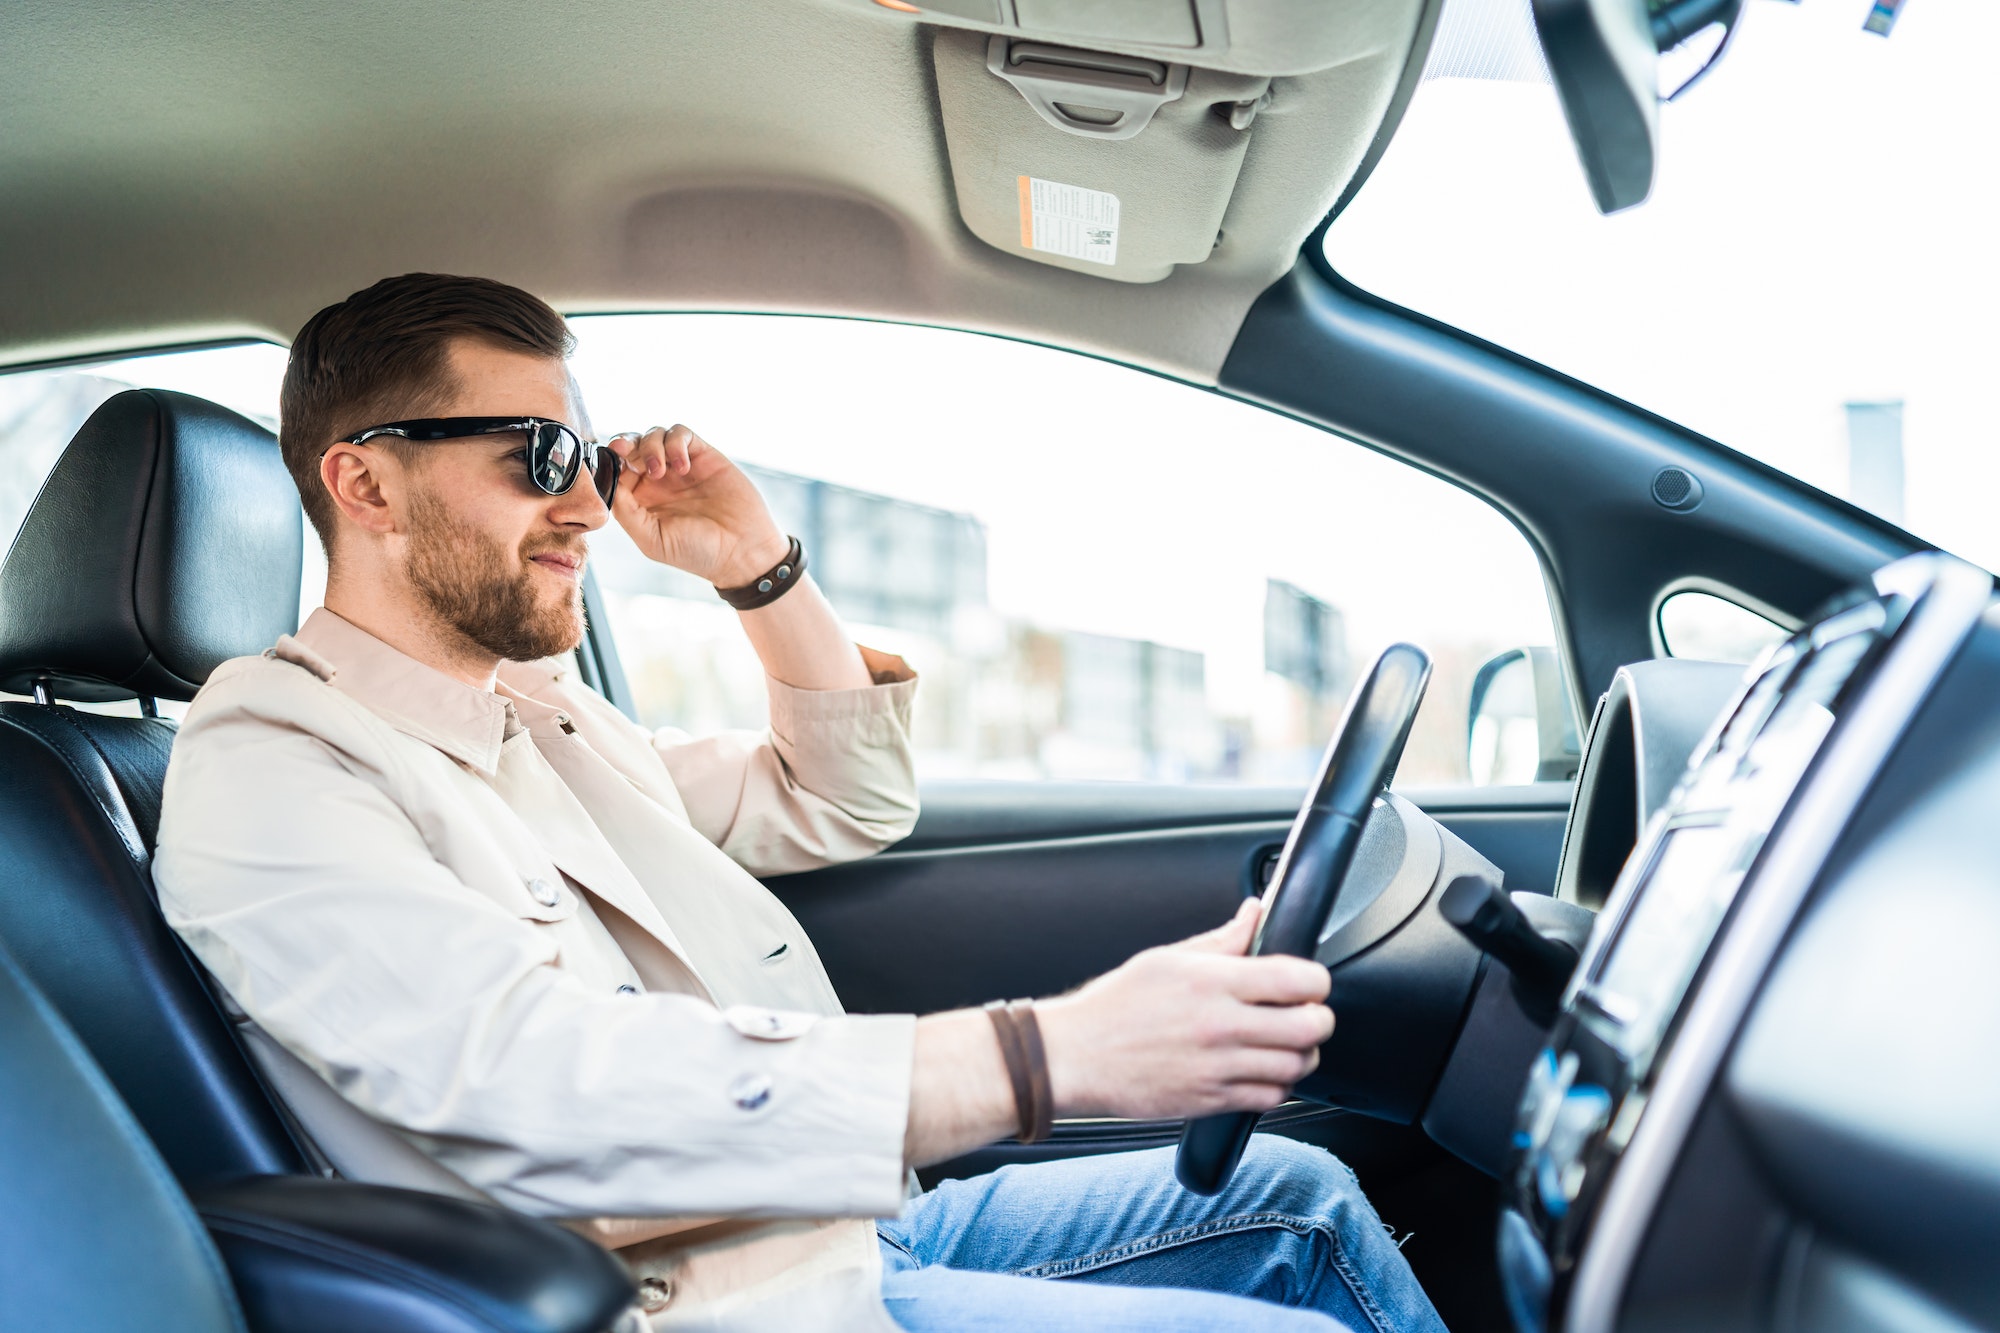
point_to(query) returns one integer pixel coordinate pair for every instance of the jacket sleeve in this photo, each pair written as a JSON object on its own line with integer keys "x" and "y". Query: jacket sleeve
{"x": 831, "y": 780}
{"x": 292, "y": 869}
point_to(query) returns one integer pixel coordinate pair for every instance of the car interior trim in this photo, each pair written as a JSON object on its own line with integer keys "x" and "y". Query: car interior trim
{"x": 1655, "y": 715}
{"x": 597, "y": 656}
{"x": 1938, "y": 625}
{"x": 986, "y": 812}
{"x": 1392, "y": 119}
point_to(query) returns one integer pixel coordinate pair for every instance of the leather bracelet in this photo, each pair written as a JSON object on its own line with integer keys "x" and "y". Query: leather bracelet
{"x": 772, "y": 584}
{"x": 1020, "y": 1037}
{"x": 1044, "y": 1120}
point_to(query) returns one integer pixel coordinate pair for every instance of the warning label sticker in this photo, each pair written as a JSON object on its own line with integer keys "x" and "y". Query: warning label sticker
{"x": 1069, "y": 220}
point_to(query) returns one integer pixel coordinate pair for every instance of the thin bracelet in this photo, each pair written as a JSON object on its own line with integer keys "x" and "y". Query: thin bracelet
{"x": 1044, "y": 1119}
{"x": 1020, "y": 1038}
{"x": 772, "y": 584}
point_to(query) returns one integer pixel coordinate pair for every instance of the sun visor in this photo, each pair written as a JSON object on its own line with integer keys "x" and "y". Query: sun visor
{"x": 1113, "y": 165}
{"x": 1271, "y": 37}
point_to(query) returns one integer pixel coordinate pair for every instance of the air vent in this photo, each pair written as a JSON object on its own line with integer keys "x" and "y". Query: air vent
{"x": 1676, "y": 488}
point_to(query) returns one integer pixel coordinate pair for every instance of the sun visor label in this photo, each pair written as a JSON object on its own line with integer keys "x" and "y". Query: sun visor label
{"x": 1069, "y": 220}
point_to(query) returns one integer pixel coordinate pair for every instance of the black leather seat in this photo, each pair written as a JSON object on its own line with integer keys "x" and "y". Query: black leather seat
{"x": 87, "y": 1198}
{"x": 167, "y": 540}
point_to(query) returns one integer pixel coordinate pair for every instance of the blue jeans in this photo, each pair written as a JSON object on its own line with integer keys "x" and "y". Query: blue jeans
{"x": 1129, "y": 1249}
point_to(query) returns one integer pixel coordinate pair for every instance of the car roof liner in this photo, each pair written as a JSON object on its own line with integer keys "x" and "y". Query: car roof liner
{"x": 175, "y": 171}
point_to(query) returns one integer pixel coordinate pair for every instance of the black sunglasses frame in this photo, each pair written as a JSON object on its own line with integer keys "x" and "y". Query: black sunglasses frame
{"x": 543, "y": 437}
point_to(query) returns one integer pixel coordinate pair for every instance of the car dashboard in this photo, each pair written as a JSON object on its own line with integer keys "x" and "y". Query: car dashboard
{"x": 1765, "y": 1103}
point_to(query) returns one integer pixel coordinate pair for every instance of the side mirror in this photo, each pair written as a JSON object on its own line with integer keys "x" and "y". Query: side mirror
{"x": 1519, "y": 727}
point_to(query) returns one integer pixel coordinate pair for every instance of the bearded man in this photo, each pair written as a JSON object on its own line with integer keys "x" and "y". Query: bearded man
{"x": 523, "y": 934}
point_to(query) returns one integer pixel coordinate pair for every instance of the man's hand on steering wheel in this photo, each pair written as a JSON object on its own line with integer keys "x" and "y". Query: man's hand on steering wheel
{"x": 1188, "y": 1029}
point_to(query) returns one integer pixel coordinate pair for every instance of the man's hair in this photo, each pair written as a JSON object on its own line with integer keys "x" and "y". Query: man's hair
{"x": 381, "y": 355}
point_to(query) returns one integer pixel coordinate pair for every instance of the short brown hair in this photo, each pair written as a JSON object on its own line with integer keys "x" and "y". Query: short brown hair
{"x": 380, "y": 355}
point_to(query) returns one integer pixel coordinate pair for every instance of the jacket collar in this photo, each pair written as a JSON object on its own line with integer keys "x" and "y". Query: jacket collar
{"x": 467, "y": 723}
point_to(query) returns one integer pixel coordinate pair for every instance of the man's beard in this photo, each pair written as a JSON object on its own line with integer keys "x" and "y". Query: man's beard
{"x": 487, "y": 592}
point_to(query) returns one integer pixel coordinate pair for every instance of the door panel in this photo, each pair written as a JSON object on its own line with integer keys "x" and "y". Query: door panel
{"x": 919, "y": 931}
{"x": 1010, "y": 889}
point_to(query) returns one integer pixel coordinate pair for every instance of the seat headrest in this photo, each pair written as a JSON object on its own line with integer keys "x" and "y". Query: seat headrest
{"x": 166, "y": 541}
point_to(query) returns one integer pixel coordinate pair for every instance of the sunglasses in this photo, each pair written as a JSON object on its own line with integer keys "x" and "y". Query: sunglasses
{"x": 555, "y": 454}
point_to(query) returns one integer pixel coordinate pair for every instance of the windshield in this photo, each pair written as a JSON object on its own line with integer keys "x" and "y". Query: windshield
{"x": 1813, "y": 282}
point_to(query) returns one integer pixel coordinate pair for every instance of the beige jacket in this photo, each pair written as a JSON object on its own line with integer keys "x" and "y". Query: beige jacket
{"x": 524, "y": 932}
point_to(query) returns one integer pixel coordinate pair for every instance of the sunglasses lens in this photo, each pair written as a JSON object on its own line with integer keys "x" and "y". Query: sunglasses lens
{"x": 554, "y": 456}
{"x": 604, "y": 470}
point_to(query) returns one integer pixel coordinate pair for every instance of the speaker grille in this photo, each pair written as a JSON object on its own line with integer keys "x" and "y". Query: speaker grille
{"x": 1676, "y": 488}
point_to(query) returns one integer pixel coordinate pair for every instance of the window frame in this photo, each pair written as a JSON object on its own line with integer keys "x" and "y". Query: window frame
{"x": 1784, "y": 622}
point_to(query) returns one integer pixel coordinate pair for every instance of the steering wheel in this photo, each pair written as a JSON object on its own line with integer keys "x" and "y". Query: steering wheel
{"x": 1359, "y": 761}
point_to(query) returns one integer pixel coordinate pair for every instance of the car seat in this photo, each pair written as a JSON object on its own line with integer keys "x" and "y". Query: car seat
{"x": 168, "y": 539}
{"x": 85, "y": 1191}
{"x": 86, "y": 1196}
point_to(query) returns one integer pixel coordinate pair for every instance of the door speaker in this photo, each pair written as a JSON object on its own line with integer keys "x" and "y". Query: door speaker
{"x": 1676, "y": 488}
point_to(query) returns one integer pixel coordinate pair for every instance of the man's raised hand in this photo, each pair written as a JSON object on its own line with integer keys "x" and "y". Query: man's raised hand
{"x": 686, "y": 505}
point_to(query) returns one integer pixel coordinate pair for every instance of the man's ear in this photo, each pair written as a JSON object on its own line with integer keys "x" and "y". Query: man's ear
{"x": 360, "y": 481}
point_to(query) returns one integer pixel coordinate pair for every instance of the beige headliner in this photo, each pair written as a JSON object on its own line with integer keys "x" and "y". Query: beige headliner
{"x": 177, "y": 169}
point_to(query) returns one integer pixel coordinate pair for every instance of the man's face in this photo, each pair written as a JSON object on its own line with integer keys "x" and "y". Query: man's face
{"x": 497, "y": 559}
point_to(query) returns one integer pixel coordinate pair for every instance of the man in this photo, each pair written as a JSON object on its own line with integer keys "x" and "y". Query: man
{"x": 524, "y": 933}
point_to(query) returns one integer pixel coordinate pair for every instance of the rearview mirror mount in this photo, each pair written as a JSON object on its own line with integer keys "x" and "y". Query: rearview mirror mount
{"x": 1603, "y": 57}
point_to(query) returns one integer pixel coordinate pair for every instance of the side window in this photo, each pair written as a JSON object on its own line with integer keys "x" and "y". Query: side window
{"x": 1099, "y": 573}
{"x": 41, "y": 409}
{"x": 1714, "y": 629}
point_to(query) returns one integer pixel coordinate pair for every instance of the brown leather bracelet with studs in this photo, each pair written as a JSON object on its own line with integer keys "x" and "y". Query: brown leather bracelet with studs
{"x": 772, "y": 584}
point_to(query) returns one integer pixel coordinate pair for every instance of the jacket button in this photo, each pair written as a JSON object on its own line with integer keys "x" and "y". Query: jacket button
{"x": 750, "y": 1092}
{"x": 543, "y": 892}
{"x": 654, "y": 1294}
